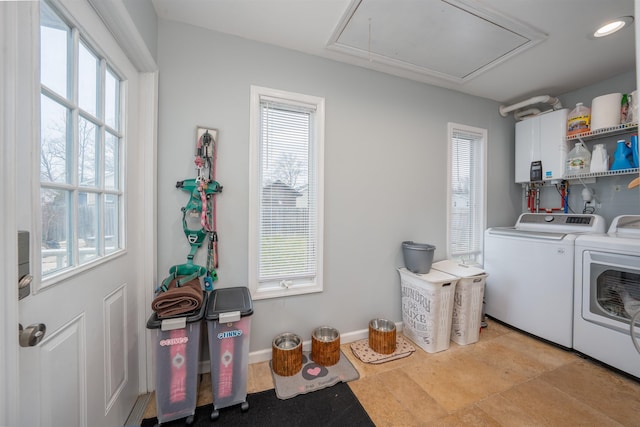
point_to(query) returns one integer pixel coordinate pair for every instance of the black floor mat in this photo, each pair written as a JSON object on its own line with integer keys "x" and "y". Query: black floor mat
{"x": 332, "y": 406}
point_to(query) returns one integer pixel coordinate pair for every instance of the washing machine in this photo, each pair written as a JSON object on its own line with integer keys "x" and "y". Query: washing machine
{"x": 530, "y": 270}
{"x": 607, "y": 295}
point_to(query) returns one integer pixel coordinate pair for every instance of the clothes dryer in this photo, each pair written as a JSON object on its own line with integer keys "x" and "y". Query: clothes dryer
{"x": 607, "y": 295}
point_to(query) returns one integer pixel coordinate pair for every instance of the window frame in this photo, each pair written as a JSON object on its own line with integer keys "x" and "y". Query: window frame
{"x": 265, "y": 291}
{"x": 480, "y": 209}
{"x": 79, "y": 39}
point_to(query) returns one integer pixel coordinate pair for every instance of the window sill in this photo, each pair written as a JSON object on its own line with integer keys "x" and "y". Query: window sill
{"x": 278, "y": 292}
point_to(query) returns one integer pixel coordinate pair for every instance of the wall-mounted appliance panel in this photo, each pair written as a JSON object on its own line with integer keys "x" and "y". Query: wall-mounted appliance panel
{"x": 542, "y": 138}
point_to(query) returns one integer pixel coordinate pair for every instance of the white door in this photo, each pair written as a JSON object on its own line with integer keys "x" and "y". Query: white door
{"x": 87, "y": 291}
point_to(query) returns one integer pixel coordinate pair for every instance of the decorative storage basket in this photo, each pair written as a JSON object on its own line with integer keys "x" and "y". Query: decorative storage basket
{"x": 467, "y": 303}
{"x": 427, "y": 308}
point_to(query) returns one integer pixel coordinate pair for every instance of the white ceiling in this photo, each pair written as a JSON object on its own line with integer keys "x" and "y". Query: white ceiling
{"x": 505, "y": 50}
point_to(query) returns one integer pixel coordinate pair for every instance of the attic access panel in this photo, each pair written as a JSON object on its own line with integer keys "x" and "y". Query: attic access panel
{"x": 453, "y": 39}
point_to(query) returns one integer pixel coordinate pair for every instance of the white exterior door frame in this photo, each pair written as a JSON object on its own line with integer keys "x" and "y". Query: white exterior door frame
{"x": 11, "y": 17}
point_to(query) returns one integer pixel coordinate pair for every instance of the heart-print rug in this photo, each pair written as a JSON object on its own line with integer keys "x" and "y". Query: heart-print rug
{"x": 313, "y": 377}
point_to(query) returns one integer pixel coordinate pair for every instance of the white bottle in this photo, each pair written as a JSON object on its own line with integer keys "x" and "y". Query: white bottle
{"x": 599, "y": 159}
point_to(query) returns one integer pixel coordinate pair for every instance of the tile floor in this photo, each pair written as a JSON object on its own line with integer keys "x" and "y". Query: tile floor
{"x": 505, "y": 379}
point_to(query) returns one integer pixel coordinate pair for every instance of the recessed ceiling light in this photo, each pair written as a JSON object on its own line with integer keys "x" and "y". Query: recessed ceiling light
{"x": 613, "y": 26}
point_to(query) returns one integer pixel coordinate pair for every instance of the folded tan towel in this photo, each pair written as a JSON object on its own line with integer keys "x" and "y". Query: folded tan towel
{"x": 178, "y": 300}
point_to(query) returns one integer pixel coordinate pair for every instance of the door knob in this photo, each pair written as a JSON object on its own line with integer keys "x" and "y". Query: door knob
{"x": 31, "y": 335}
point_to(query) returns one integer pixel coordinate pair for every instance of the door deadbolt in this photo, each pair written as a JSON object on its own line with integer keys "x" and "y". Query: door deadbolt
{"x": 25, "y": 281}
{"x": 31, "y": 335}
{"x": 24, "y": 276}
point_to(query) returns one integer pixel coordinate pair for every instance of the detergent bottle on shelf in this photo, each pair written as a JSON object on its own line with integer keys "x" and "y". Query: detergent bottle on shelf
{"x": 623, "y": 157}
{"x": 579, "y": 120}
{"x": 578, "y": 160}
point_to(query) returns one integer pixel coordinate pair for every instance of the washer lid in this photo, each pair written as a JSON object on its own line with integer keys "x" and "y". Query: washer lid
{"x": 612, "y": 242}
{"x": 525, "y": 234}
{"x": 628, "y": 225}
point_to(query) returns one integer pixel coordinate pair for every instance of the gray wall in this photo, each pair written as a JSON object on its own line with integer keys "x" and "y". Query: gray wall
{"x": 611, "y": 193}
{"x": 385, "y": 160}
{"x": 146, "y": 20}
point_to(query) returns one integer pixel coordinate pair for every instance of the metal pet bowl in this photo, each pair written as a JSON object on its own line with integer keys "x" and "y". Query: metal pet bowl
{"x": 382, "y": 325}
{"x": 326, "y": 334}
{"x": 287, "y": 341}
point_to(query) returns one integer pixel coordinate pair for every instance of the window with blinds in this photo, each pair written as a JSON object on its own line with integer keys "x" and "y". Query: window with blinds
{"x": 286, "y": 193}
{"x": 466, "y": 193}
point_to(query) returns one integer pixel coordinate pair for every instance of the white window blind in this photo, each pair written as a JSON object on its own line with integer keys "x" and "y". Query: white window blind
{"x": 288, "y": 193}
{"x": 466, "y": 193}
{"x": 286, "y": 234}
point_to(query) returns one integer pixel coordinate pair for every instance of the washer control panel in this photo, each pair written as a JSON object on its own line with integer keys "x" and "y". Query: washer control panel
{"x": 573, "y": 223}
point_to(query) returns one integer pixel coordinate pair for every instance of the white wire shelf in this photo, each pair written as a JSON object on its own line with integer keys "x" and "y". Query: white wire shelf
{"x": 635, "y": 171}
{"x": 624, "y": 128}
{"x": 604, "y": 132}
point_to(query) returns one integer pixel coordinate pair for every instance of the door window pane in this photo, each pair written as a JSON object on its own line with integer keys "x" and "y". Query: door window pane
{"x": 110, "y": 161}
{"x": 88, "y": 67}
{"x": 111, "y": 100}
{"x": 54, "y": 141}
{"x": 89, "y": 238}
{"x": 111, "y": 226}
{"x": 87, "y": 153}
{"x": 55, "y": 38}
{"x": 55, "y": 229}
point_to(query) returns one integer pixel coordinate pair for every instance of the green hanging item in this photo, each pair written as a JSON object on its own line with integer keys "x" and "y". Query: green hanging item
{"x": 200, "y": 193}
{"x": 201, "y": 204}
{"x": 184, "y": 273}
